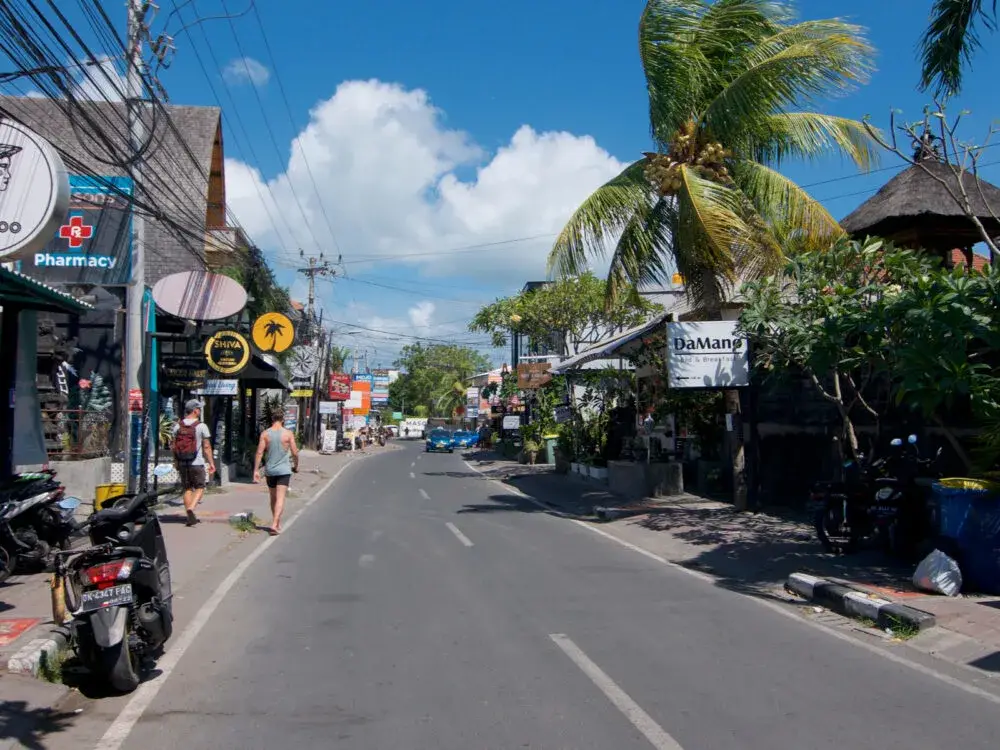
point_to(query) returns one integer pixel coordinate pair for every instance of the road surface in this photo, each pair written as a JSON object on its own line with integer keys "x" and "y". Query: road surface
{"x": 418, "y": 606}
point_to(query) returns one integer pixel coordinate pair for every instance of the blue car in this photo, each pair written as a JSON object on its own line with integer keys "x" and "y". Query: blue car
{"x": 440, "y": 440}
{"x": 466, "y": 438}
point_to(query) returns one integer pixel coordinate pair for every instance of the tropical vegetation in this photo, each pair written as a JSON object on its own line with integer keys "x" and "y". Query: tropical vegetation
{"x": 433, "y": 378}
{"x": 952, "y": 36}
{"x": 731, "y": 86}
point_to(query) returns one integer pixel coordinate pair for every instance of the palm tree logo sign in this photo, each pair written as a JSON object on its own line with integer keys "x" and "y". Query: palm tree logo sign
{"x": 273, "y": 332}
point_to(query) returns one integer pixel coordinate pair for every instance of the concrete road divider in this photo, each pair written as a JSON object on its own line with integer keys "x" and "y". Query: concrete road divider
{"x": 851, "y": 602}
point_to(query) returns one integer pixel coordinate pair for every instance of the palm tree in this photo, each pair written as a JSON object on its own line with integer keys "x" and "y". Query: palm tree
{"x": 453, "y": 397}
{"x": 273, "y": 329}
{"x": 726, "y": 81}
{"x": 338, "y": 357}
{"x": 950, "y": 40}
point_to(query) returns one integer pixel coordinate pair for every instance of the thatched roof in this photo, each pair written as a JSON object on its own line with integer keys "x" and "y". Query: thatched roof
{"x": 915, "y": 208}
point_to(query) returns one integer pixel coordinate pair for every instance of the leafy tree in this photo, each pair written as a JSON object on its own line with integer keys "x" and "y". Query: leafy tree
{"x": 831, "y": 317}
{"x": 576, "y": 307}
{"x": 726, "y": 81}
{"x": 949, "y": 41}
{"x": 338, "y": 358}
{"x": 257, "y": 277}
{"x": 429, "y": 377}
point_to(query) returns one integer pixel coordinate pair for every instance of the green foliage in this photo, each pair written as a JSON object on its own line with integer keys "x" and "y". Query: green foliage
{"x": 257, "y": 277}
{"x": 730, "y": 86}
{"x": 949, "y": 41}
{"x": 432, "y": 376}
{"x": 576, "y": 306}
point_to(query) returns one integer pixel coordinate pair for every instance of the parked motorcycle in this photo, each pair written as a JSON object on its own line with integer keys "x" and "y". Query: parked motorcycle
{"x": 881, "y": 502}
{"x": 35, "y": 517}
{"x": 118, "y": 591}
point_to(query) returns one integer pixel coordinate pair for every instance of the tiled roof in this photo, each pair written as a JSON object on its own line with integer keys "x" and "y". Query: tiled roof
{"x": 979, "y": 262}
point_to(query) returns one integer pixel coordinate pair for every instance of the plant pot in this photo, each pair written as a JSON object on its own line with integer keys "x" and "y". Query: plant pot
{"x": 598, "y": 472}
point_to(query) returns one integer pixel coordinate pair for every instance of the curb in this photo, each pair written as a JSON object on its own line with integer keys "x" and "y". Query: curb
{"x": 29, "y": 658}
{"x": 854, "y": 603}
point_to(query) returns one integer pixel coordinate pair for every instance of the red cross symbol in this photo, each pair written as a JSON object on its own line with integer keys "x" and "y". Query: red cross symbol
{"x": 76, "y": 231}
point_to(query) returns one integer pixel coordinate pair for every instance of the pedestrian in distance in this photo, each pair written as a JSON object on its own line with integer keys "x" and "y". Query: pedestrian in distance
{"x": 280, "y": 454}
{"x": 193, "y": 456}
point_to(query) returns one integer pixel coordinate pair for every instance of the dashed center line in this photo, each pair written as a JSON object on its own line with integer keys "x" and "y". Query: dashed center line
{"x": 424, "y": 495}
{"x": 412, "y": 475}
{"x": 458, "y": 533}
{"x": 365, "y": 561}
{"x": 657, "y": 735}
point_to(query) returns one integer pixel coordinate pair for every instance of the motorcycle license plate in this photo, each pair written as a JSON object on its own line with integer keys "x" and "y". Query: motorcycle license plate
{"x": 110, "y": 597}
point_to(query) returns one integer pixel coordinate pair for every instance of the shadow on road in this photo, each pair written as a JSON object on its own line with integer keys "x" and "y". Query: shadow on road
{"x": 28, "y": 726}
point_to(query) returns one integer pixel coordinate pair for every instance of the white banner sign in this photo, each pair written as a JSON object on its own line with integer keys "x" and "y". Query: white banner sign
{"x": 512, "y": 422}
{"x": 328, "y": 407}
{"x": 354, "y": 402}
{"x": 329, "y": 441}
{"x": 706, "y": 355}
{"x": 219, "y": 388}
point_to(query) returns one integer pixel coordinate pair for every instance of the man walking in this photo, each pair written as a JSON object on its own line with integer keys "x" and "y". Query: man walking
{"x": 280, "y": 454}
{"x": 192, "y": 456}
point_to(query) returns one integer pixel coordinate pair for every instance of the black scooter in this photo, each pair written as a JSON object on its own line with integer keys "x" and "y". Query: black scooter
{"x": 118, "y": 591}
{"x": 35, "y": 517}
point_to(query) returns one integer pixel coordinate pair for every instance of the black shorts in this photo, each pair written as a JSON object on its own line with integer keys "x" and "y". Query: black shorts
{"x": 192, "y": 477}
{"x": 281, "y": 480}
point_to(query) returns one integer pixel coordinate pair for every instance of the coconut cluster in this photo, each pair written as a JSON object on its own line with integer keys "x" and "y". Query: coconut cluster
{"x": 708, "y": 159}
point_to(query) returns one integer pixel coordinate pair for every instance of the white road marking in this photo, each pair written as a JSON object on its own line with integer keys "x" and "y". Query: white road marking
{"x": 657, "y": 735}
{"x": 458, "y": 533}
{"x": 365, "y": 561}
{"x": 424, "y": 495}
{"x": 376, "y": 534}
{"x": 123, "y": 724}
{"x": 413, "y": 463}
{"x": 972, "y": 672}
{"x": 412, "y": 475}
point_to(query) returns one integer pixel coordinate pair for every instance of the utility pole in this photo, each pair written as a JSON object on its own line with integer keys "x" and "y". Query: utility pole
{"x": 137, "y": 32}
{"x": 317, "y": 267}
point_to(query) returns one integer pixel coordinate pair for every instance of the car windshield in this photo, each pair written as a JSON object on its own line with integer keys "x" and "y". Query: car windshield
{"x": 440, "y": 433}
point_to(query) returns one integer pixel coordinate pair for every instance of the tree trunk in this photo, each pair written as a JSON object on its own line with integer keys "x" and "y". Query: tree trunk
{"x": 737, "y": 454}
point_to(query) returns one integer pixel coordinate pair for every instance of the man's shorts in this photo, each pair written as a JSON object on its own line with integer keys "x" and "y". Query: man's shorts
{"x": 281, "y": 480}
{"x": 192, "y": 477}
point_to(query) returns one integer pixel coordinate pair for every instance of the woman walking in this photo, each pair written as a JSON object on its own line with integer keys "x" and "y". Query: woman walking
{"x": 280, "y": 454}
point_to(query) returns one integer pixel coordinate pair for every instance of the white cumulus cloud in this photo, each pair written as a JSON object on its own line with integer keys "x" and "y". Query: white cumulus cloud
{"x": 421, "y": 314}
{"x": 246, "y": 70}
{"x": 401, "y": 186}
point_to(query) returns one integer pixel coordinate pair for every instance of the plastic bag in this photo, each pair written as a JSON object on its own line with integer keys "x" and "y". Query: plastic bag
{"x": 938, "y": 573}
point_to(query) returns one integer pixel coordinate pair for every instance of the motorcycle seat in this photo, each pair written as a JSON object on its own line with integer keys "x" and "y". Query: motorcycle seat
{"x": 119, "y": 513}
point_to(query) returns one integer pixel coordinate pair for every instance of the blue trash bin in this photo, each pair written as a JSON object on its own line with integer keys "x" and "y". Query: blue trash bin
{"x": 969, "y": 513}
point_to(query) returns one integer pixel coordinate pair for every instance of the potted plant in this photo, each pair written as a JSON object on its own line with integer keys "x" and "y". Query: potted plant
{"x": 598, "y": 469}
{"x": 531, "y": 448}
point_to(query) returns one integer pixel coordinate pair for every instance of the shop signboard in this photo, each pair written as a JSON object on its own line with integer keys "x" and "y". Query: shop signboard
{"x": 189, "y": 374}
{"x": 94, "y": 244}
{"x": 707, "y": 354}
{"x": 34, "y": 193}
{"x": 272, "y": 332}
{"x": 227, "y": 352}
{"x": 512, "y": 422}
{"x": 219, "y": 388}
{"x": 380, "y": 387}
{"x": 329, "y": 441}
{"x": 328, "y": 407}
{"x": 302, "y": 393}
{"x": 472, "y": 403}
{"x": 339, "y": 387}
{"x": 531, "y": 375}
{"x": 291, "y": 416}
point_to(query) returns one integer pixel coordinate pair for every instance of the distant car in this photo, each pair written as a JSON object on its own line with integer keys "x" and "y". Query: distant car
{"x": 440, "y": 440}
{"x": 466, "y": 438}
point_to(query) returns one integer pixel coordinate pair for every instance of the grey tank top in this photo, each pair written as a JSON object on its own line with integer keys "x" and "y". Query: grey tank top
{"x": 277, "y": 459}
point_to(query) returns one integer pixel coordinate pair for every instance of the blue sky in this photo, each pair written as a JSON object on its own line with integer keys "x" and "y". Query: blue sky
{"x": 447, "y": 125}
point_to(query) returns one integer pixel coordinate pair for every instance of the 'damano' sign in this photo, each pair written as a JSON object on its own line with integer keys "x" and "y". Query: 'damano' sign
{"x": 227, "y": 352}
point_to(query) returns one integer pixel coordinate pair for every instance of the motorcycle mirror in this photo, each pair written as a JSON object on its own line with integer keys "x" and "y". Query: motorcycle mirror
{"x": 895, "y": 442}
{"x": 912, "y": 439}
{"x": 70, "y": 503}
{"x": 162, "y": 470}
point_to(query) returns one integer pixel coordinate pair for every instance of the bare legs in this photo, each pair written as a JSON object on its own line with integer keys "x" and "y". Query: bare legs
{"x": 277, "y": 507}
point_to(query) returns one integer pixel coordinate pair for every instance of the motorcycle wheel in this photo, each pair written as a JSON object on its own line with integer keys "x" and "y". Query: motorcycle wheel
{"x": 829, "y": 531}
{"x": 6, "y": 566}
{"x": 117, "y": 665}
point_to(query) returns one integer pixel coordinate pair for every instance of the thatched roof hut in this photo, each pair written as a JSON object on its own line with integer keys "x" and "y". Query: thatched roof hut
{"x": 914, "y": 209}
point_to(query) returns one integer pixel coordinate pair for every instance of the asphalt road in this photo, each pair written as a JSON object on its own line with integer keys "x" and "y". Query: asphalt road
{"x": 422, "y": 608}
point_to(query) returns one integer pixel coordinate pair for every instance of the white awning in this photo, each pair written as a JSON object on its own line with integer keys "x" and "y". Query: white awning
{"x": 611, "y": 347}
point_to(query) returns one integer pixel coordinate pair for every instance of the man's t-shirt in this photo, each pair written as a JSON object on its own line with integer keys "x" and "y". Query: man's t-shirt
{"x": 202, "y": 433}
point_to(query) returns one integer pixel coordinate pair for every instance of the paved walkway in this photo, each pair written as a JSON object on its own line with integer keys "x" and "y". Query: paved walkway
{"x": 756, "y": 552}
{"x": 25, "y": 604}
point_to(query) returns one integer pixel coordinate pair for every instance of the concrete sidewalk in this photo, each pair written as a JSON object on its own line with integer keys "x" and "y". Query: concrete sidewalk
{"x": 755, "y": 553}
{"x": 27, "y": 634}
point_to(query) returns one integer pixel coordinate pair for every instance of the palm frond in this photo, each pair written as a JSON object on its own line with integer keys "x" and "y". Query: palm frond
{"x": 951, "y": 38}
{"x": 644, "y": 251}
{"x": 604, "y": 214}
{"x": 676, "y": 70}
{"x": 798, "y": 65}
{"x": 806, "y": 135}
{"x": 780, "y": 200}
{"x": 729, "y": 30}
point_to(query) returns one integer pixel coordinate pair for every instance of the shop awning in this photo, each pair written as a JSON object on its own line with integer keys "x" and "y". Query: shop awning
{"x": 18, "y": 290}
{"x": 615, "y": 347}
{"x": 261, "y": 373}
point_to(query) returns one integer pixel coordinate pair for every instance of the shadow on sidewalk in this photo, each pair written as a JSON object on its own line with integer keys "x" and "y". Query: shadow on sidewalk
{"x": 30, "y": 726}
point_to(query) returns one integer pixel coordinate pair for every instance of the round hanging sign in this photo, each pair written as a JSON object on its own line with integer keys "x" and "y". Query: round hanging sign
{"x": 34, "y": 192}
{"x": 304, "y": 361}
{"x": 227, "y": 352}
{"x": 273, "y": 332}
